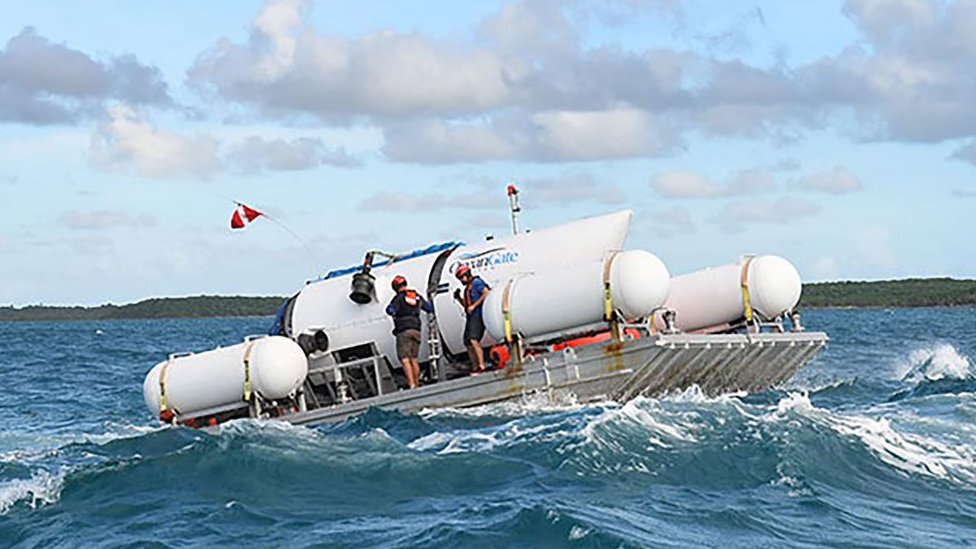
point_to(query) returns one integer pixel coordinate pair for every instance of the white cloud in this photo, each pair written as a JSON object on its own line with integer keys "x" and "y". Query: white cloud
{"x": 387, "y": 201}
{"x": 273, "y": 28}
{"x": 837, "y": 181}
{"x": 381, "y": 74}
{"x": 256, "y": 154}
{"x": 685, "y": 185}
{"x": 529, "y": 85}
{"x": 430, "y": 142}
{"x": 592, "y": 135}
{"x": 735, "y": 215}
{"x": 568, "y": 188}
{"x": 694, "y": 185}
{"x": 128, "y": 143}
{"x": 672, "y": 221}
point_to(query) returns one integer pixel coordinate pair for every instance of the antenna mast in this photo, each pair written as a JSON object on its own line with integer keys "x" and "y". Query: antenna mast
{"x": 513, "y": 203}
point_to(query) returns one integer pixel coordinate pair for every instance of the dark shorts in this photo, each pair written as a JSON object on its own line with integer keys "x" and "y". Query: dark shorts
{"x": 408, "y": 344}
{"x": 474, "y": 328}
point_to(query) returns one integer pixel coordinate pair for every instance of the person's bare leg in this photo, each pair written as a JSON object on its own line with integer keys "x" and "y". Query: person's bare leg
{"x": 479, "y": 354}
{"x": 472, "y": 357}
{"x": 414, "y": 373}
{"x": 408, "y": 372}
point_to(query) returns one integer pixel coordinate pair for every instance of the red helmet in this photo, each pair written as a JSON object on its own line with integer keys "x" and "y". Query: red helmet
{"x": 397, "y": 282}
{"x": 461, "y": 271}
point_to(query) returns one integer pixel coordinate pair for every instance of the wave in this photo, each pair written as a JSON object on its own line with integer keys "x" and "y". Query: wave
{"x": 935, "y": 362}
{"x": 934, "y": 370}
{"x": 42, "y": 488}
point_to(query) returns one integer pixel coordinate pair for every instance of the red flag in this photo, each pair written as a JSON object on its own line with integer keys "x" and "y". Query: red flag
{"x": 242, "y": 216}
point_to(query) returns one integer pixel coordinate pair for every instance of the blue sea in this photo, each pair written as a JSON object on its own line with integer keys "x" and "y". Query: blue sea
{"x": 873, "y": 444}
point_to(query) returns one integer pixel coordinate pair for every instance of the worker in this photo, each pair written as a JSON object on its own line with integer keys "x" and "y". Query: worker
{"x": 472, "y": 299}
{"x": 405, "y": 309}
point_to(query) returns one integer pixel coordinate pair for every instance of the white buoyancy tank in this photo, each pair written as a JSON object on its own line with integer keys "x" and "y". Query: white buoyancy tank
{"x": 213, "y": 379}
{"x": 555, "y": 301}
{"x": 714, "y": 296}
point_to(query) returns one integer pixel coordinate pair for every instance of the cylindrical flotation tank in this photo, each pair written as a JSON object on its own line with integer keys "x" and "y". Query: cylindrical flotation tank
{"x": 555, "y": 301}
{"x": 203, "y": 381}
{"x": 714, "y": 296}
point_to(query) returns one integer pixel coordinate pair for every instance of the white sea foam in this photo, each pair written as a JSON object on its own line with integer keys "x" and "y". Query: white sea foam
{"x": 694, "y": 395}
{"x": 908, "y": 452}
{"x": 578, "y": 532}
{"x": 43, "y": 488}
{"x": 33, "y": 447}
{"x": 933, "y": 362}
{"x": 533, "y": 403}
{"x": 485, "y": 440}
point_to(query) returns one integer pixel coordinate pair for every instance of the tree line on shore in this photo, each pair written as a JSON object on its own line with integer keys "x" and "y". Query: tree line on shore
{"x": 913, "y": 292}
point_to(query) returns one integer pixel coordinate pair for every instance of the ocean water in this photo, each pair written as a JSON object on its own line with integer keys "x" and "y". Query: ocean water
{"x": 873, "y": 444}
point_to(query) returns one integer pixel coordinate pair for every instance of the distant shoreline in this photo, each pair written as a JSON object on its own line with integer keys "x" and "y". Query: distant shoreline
{"x": 883, "y": 294}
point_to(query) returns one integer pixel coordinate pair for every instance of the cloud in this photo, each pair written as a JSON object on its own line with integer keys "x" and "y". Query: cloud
{"x": 966, "y": 153}
{"x": 837, "y": 181}
{"x": 593, "y": 135}
{"x": 125, "y": 142}
{"x": 528, "y": 83}
{"x": 46, "y": 83}
{"x": 387, "y": 201}
{"x": 440, "y": 142}
{"x": 569, "y": 188}
{"x": 685, "y": 185}
{"x": 103, "y": 219}
{"x": 672, "y": 221}
{"x": 256, "y": 154}
{"x": 692, "y": 185}
{"x": 960, "y": 193}
{"x": 285, "y": 66}
{"x": 546, "y": 136}
{"x": 735, "y": 215}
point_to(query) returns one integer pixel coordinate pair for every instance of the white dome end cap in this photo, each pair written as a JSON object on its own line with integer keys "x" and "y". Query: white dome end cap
{"x": 492, "y": 314}
{"x": 278, "y": 366}
{"x": 150, "y": 388}
{"x": 774, "y": 286}
{"x": 640, "y": 283}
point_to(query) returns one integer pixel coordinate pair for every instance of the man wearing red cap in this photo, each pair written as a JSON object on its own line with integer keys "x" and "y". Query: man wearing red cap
{"x": 475, "y": 292}
{"x": 405, "y": 309}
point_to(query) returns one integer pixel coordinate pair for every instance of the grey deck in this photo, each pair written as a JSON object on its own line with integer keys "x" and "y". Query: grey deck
{"x": 649, "y": 366}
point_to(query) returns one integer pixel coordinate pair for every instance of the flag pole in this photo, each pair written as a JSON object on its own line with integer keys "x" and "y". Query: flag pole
{"x": 293, "y": 234}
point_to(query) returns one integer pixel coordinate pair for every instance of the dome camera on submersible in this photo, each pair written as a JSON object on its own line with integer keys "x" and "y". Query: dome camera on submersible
{"x": 569, "y": 313}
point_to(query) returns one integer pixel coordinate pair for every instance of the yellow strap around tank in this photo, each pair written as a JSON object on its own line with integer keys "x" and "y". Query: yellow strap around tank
{"x": 507, "y": 310}
{"x": 163, "y": 399}
{"x": 744, "y": 284}
{"x": 247, "y": 371}
{"x": 607, "y": 293}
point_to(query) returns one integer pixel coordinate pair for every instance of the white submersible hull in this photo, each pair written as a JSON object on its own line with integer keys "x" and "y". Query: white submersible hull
{"x": 569, "y": 315}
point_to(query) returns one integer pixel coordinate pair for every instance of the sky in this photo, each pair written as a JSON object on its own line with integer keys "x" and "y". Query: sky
{"x": 838, "y": 134}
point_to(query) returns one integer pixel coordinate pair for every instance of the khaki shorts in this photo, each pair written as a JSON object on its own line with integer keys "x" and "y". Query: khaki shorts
{"x": 408, "y": 344}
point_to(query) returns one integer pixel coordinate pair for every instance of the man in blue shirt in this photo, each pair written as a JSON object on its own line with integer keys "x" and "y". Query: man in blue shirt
{"x": 472, "y": 299}
{"x": 405, "y": 309}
